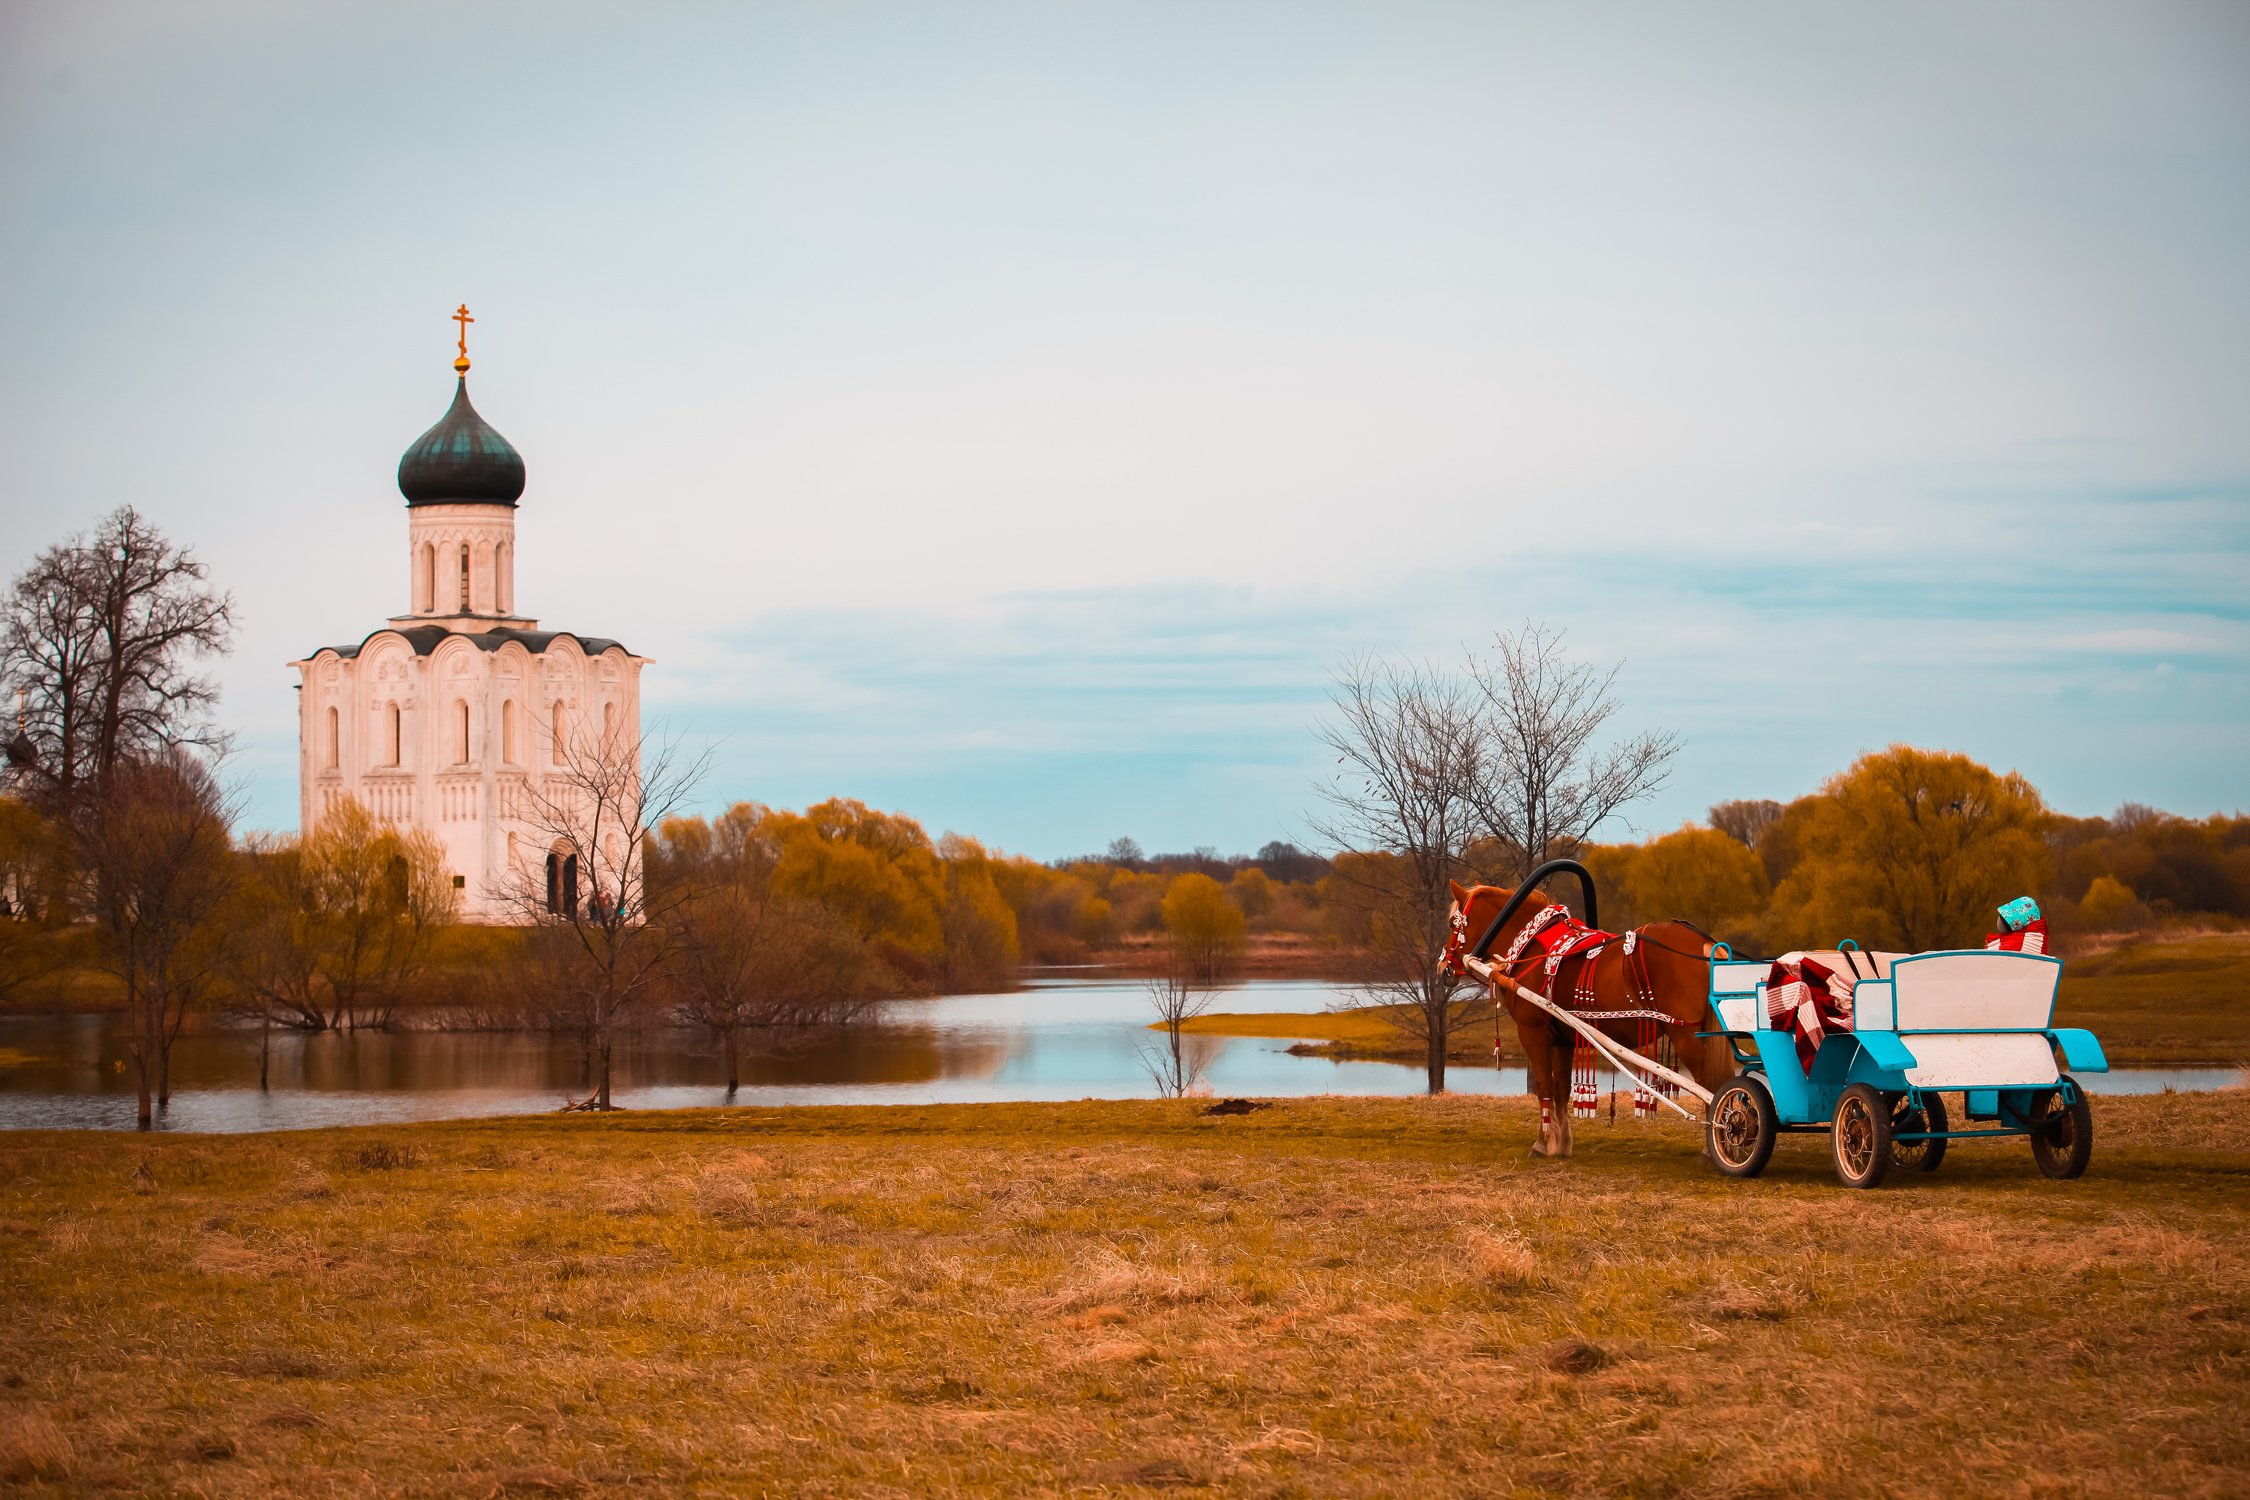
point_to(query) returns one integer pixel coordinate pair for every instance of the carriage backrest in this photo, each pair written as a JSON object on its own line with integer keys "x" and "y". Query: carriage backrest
{"x": 1734, "y": 992}
{"x": 1973, "y": 990}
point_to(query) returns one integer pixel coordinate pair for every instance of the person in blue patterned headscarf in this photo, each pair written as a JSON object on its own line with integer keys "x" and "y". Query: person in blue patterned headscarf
{"x": 2022, "y": 929}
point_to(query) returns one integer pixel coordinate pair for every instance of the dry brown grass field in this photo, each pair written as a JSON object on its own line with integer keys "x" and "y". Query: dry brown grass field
{"x": 1324, "y": 1297}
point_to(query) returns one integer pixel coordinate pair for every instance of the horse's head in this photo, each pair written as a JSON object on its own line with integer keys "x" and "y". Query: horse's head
{"x": 1474, "y": 907}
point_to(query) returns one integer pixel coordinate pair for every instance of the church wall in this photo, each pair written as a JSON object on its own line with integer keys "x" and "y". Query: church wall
{"x": 471, "y": 806}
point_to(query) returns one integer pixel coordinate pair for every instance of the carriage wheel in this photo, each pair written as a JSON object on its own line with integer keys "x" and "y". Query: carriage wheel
{"x": 1862, "y": 1137}
{"x": 2062, "y": 1134}
{"x": 1909, "y": 1117}
{"x": 1741, "y": 1127}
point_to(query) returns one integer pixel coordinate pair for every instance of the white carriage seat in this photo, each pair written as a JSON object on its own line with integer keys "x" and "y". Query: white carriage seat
{"x": 1734, "y": 993}
{"x": 1976, "y": 1019}
{"x": 1978, "y": 990}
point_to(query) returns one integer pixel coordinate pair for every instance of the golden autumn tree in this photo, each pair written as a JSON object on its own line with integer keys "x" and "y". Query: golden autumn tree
{"x": 1255, "y": 892}
{"x": 1205, "y": 926}
{"x": 876, "y": 871}
{"x": 1912, "y": 850}
{"x": 761, "y": 973}
{"x": 1697, "y": 875}
{"x": 336, "y": 925}
{"x": 981, "y": 944}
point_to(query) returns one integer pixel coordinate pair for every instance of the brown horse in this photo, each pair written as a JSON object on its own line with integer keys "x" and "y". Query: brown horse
{"x": 1667, "y": 972}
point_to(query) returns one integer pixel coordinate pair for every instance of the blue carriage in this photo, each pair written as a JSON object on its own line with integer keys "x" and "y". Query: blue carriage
{"x": 1975, "y": 1023}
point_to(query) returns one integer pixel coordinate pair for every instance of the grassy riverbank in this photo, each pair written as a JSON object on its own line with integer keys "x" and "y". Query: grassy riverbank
{"x": 1362, "y": 1032}
{"x": 2178, "y": 1003}
{"x": 2181, "y": 1003}
{"x": 1322, "y": 1297}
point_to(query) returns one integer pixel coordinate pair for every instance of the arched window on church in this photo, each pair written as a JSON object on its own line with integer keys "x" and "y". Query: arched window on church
{"x": 460, "y": 732}
{"x": 609, "y": 725}
{"x": 464, "y": 578}
{"x": 562, "y": 883}
{"x": 335, "y": 739}
{"x": 503, "y": 595}
{"x": 396, "y": 738}
{"x": 508, "y": 731}
{"x": 558, "y": 734}
{"x": 426, "y": 592}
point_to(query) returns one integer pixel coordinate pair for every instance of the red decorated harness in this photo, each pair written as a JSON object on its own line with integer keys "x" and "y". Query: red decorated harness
{"x": 1552, "y": 939}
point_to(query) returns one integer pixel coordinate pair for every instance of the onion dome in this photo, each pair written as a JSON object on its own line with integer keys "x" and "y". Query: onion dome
{"x": 461, "y": 461}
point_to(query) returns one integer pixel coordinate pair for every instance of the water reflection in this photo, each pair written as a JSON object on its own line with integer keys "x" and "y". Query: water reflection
{"x": 1054, "y": 1039}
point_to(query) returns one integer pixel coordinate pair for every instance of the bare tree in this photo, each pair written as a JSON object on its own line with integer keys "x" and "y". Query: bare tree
{"x": 763, "y": 974}
{"x": 96, "y": 637}
{"x": 1746, "y": 822}
{"x": 766, "y": 976}
{"x": 602, "y": 932}
{"x": 164, "y": 866}
{"x": 1175, "y": 1065}
{"x": 1410, "y": 751}
{"x": 1545, "y": 785}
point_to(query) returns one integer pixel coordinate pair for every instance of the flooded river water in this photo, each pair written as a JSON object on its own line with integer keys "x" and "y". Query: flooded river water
{"x": 1053, "y": 1039}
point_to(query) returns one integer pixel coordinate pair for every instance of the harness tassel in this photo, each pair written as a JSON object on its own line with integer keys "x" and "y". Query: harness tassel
{"x": 1583, "y": 1098}
{"x": 1644, "y": 1097}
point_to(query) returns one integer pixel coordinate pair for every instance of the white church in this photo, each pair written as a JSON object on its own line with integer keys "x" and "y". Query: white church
{"x": 452, "y": 715}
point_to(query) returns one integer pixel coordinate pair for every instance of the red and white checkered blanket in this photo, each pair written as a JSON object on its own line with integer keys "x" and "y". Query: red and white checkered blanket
{"x": 1808, "y": 999}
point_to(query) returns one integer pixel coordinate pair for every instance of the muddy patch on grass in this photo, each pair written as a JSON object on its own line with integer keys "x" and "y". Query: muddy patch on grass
{"x": 1574, "y": 1357}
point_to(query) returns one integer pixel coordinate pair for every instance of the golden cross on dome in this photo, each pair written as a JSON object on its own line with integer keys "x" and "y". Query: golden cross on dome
{"x": 462, "y": 317}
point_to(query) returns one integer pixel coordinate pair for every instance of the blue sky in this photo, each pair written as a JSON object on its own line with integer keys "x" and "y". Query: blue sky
{"x": 1012, "y": 414}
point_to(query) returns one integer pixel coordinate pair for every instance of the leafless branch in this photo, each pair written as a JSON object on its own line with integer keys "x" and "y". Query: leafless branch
{"x": 1175, "y": 1065}
{"x": 1409, "y": 753}
{"x": 604, "y": 931}
{"x": 1546, "y": 784}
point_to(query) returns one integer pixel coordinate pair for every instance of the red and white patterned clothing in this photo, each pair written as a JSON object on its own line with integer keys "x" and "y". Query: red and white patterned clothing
{"x": 2032, "y": 939}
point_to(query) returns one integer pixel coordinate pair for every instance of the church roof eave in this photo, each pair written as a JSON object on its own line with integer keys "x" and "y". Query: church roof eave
{"x": 425, "y": 639}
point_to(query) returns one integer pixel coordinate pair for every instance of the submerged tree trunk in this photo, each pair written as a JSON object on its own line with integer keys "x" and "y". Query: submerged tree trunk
{"x": 144, "y": 1048}
{"x": 265, "y": 1044}
{"x": 163, "y": 1058}
{"x": 734, "y": 1061}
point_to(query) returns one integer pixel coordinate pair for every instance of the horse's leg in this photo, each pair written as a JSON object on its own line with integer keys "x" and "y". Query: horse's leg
{"x": 1565, "y": 1045}
{"x": 1537, "y": 1040}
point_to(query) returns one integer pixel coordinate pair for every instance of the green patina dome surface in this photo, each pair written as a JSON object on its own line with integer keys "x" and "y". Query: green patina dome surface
{"x": 461, "y": 460}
